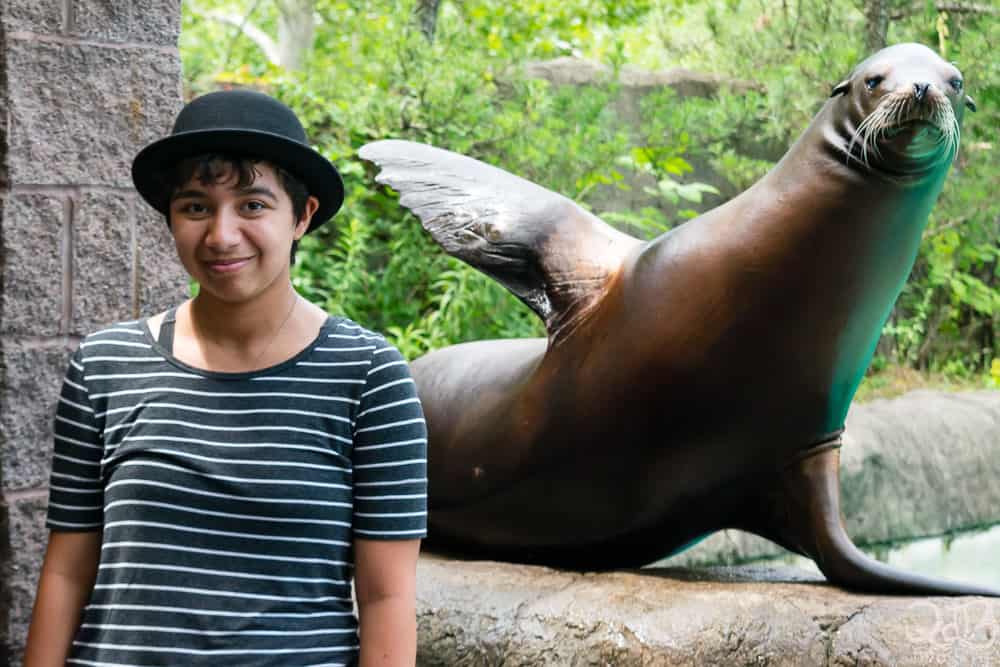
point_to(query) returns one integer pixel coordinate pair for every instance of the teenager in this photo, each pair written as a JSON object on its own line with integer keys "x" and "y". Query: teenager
{"x": 223, "y": 471}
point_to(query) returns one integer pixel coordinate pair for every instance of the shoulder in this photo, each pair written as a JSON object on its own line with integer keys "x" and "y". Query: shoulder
{"x": 126, "y": 338}
{"x": 349, "y": 333}
{"x": 385, "y": 363}
{"x": 127, "y": 331}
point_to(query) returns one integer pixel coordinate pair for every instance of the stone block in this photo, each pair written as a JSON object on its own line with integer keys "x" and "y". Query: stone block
{"x": 162, "y": 281}
{"x": 33, "y": 379}
{"x": 98, "y": 107}
{"x": 156, "y": 22}
{"x": 156, "y": 84}
{"x": 28, "y": 536}
{"x": 103, "y": 259}
{"x": 5, "y": 560}
{"x": 101, "y": 20}
{"x": 39, "y": 16}
{"x": 32, "y": 296}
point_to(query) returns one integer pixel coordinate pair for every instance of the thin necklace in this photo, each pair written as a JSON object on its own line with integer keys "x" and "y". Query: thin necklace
{"x": 288, "y": 316}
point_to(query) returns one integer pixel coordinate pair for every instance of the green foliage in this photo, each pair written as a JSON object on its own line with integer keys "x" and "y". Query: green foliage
{"x": 372, "y": 75}
{"x": 957, "y": 273}
{"x": 947, "y": 317}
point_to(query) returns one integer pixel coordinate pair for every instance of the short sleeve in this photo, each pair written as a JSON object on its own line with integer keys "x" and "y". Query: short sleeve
{"x": 390, "y": 453}
{"x": 76, "y": 494}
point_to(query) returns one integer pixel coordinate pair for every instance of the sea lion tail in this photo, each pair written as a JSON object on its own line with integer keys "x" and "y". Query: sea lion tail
{"x": 543, "y": 247}
{"x": 804, "y": 516}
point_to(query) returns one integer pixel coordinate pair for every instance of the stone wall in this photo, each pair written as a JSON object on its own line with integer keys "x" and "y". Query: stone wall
{"x": 83, "y": 85}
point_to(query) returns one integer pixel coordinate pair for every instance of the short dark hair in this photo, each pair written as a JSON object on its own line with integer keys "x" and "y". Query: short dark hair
{"x": 210, "y": 168}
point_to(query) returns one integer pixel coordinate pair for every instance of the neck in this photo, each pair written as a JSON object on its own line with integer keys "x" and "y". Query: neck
{"x": 241, "y": 325}
{"x": 880, "y": 206}
{"x": 821, "y": 245}
{"x": 865, "y": 223}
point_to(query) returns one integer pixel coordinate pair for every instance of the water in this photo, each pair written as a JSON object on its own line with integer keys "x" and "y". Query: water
{"x": 969, "y": 557}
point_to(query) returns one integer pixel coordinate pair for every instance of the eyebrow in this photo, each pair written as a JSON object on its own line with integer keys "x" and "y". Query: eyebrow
{"x": 251, "y": 190}
{"x": 187, "y": 194}
{"x": 259, "y": 190}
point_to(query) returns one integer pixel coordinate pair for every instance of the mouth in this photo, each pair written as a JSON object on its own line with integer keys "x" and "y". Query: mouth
{"x": 229, "y": 265}
{"x": 897, "y": 129}
{"x": 913, "y": 127}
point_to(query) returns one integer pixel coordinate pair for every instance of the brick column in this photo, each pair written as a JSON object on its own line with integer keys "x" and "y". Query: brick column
{"x": 83, "y": 85}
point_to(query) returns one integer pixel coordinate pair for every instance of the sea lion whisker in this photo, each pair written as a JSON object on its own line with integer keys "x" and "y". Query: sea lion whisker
{"x": 893, "y": 114}
{"x": 870, "y": 130}
{"x": 954, "y": 135}
{"x": 952, "y": 130}
{"x": 944, "y": 119}
{"x": 875, "y": 131}
{"x": 854, "y": 140}
{"x": 864, "y": 130}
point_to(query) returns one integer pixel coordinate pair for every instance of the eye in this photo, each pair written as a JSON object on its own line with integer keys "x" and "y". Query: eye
{"x": 871, "y": 83}
{"x": 956, "y": 83}
{"x": 192, "y": 208}
{"x": 254, "y": 206}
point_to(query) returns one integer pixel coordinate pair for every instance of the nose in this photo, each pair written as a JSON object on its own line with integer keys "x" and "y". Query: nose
{"x": 223, "y": 230}
{"x": 920, "y": 90}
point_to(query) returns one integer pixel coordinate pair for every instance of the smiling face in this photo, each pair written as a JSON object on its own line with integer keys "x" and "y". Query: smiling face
{"x": 234, "y": 235}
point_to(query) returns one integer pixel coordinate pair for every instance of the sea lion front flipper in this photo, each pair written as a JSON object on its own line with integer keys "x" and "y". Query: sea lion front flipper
{"x": 803, "y": 515}
{"x": 547, "y": 250}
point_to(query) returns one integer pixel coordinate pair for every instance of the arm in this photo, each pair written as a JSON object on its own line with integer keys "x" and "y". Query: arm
{"x": 390, "y": 510}
{"x": 385, "y": 584}
{"x": 63, "y": 588}
{"x": 75, "y": 517}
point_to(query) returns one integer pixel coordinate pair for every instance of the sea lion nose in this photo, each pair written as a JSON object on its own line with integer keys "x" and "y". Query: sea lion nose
{"x": 920, "y": 90}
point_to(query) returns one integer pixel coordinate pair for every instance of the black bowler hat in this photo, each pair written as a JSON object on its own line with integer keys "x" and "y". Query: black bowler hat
{"x": 239, "y": 123}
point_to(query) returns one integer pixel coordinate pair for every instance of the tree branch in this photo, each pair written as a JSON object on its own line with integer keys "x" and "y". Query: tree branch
{"x": 876, "y": 24}
{"x": 296, "y": 29}
{"x": 255, "y": 34}
{"x": 426, "y": 12}
{"x": 950, "y": 7}
{"x": 957, "y": 222}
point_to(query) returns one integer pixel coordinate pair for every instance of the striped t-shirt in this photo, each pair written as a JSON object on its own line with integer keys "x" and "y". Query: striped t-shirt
{"x": 229, "y": 501}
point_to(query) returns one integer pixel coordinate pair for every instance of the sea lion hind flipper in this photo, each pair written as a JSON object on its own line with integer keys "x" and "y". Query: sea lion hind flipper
{"x": 547, "y": 250}
{"x": 803, "y": 515}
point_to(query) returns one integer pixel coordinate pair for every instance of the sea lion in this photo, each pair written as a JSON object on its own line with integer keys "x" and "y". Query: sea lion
{"x": 694, "y": 382}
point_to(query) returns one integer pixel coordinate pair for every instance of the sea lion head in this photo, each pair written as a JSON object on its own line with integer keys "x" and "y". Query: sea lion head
{"x": 900, "y": 111}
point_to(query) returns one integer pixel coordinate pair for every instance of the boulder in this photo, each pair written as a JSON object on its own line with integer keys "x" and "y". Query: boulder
{"x": 924, "y": 464}
{"x": 568, "y": 70}
{"x": 484, "y": 613}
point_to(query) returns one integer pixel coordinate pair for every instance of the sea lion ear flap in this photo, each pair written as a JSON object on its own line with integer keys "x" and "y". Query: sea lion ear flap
{"x": 841, "y": 88}
{"x": 970, "y": 103}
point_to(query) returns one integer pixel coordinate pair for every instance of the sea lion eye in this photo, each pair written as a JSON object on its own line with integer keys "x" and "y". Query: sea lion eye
{"x": 956, "y": 83}
{"x": 872, "y": 82}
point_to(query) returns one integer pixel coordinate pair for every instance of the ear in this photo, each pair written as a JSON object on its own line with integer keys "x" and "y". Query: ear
{"x": 312, "y": 204}
{"x": 841, "y": 88}
{"x": 970, "y": 103}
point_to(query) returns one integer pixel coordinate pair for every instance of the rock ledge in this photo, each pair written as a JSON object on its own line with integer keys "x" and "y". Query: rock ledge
{"x": 484, "y": 613}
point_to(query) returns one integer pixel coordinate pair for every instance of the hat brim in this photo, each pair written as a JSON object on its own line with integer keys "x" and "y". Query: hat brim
{"x": 317, "y": 173}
